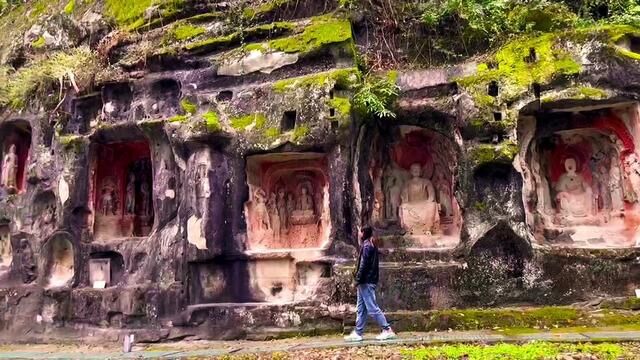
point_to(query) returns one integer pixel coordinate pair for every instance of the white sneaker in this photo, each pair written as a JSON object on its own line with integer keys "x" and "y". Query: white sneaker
{"x": 353, "y": 337}
{"x": 386, "y": 335}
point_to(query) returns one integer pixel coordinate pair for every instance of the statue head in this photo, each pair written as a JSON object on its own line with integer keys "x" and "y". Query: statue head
{"x": 303, "y": 190}
{"x": 415, "y": 170}
{"x": 570, "y": 165}
{"x": 281, "y": 193}
{"x": 12, "y": 148}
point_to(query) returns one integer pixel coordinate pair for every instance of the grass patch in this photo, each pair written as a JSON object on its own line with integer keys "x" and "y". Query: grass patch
{"x": 70, "y": 7}
{"x": 186, "y": 32}
{"x": 529, "y": 351}
{"x": 485, "y": 153}
{"x": 341, "y": 78}
{"x": 322, "y": 31}
{"x": 40, "y": 78}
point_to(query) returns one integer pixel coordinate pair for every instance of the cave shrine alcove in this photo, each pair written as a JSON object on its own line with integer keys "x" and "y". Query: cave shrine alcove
{"x": 288, "y": 205}
{"x": 122, "y": 190}
{"x": 583, "y": 183}
{"x": 59, "y": 260}
{"x": 164, "y": 98}
{"x": 412, "y": 170}
{"x": 116, "y": 99}
{"x": 15, "y": 143}
{"x": 85, "y": 109}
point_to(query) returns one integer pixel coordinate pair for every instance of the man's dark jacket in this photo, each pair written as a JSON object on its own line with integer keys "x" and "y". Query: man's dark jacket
{"x": 367, "y": 266}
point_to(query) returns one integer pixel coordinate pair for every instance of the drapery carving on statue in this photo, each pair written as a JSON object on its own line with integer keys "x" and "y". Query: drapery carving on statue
{"x": 130, "y": 202}
{"x": 418, "y": 208}
{"x": 10, "y": 170}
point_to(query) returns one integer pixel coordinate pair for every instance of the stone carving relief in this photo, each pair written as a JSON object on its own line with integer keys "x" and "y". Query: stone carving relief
{"x": 413, "y": 186}
{"x": 288, "y": 206}
{"x": 199, "y": 164}
{"x": 586, "y": 183}
{"x": 10, "y": 170}
{"x": 123, "y": 196}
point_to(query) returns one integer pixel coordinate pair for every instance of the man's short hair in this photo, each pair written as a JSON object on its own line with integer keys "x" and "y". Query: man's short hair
{"x": 367, "y": 232}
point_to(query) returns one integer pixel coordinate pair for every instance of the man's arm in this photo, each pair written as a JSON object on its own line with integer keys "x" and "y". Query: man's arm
{"x": 365, "y": 262}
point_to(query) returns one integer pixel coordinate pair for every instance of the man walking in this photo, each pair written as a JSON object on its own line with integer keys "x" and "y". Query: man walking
{"x": 366, "y": 277}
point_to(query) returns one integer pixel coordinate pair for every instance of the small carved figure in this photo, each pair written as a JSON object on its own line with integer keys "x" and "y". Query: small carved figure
{"x": 615, "y": 185}
{"x": 632, "y": 172}
{"x": 574, "y": 195}
{"x": 274, "y": 217}
{"x": 10, "y": 169}
{"x": 378, "y": 197}
{"x": 291, "y": 205}
{"x": 260, "y": 209}
{"x": 5, "y": 249}
{"x": 393, "y": 190}
{"x": 108, "y": 199}
{"x": 305, "y": 200}
{"x": 281, "y": 205}
{"x": 444, "y": 194}
{"x": 145, "y": 198}
{"x": 202, "y": 189}
{"x": 130, "y": 204}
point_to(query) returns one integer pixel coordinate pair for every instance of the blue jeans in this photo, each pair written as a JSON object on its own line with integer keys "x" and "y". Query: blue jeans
{"x": 367, "y": 305}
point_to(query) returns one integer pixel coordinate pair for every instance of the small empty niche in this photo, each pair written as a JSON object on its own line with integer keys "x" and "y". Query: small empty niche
{"x": 492, "y": 89}
{"x": 288, "y": 121}
{"x": 532, "y": 57}
{"x": 332, "y": 112}
{"x": 105, "y": 269}
{"x": 600, "y": 12}
{"x": 536, "y": 90}
{"x": 630, "y": 43}
{"x": 331, "y": 93}
{"x": 60, "y": 260}
{"x": 497, "y": 116}
{"x": 224, "y": 95}
{"x": 166, "y": 97}
{"x": 334, "y": 125}
{"x": 116, "y": 99}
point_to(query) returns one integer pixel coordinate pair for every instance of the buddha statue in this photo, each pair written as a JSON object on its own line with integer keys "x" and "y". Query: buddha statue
{"x": 574, "y": 195}
{"x": 419, "y": 209}
{"x": 10, "y": 169}
{"x": 304, "y": 208}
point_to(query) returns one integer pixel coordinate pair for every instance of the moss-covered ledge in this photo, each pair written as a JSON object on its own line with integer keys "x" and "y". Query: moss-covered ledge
{"x": 503, "y": 152}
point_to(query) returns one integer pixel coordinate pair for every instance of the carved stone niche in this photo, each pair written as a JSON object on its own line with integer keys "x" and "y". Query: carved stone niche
{"x": 164, "y": 98}
{"x": 59, "y": 259}
{"x": 6, "y": 250}
{"x": 288, "y": 205}
{"x": 582, "y": 180}
{"x": 106, "y": 269}
{"x": 85, "y": 109}
{"x": 412, "y": 171}
{"x": 45, "y": 205}
{"x": 273, "y": 280}
{"x": 116, "y": 99}
{"x": 199, "y": 165}
{"x": 122, "y": 198}
{"x": 15, "y": 142}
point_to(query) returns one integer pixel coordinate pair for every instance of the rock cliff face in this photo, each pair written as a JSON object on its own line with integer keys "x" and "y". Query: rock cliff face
{"x": 190, "y": 168}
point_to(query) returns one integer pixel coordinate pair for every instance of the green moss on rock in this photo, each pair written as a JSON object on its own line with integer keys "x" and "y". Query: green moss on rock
{"x": 299, "y": 133}
{"x": 342, "y": 105}
{"x": 38, "y": 43}
{"x": 256, "y": 120}
{"x": 577, "y": 93}
{"x": 189, "y": 107}
{"x": 70, "y": 7}
{"x": 179, "y": 119}
{"x": 322, "y": 31}
{"x": 485, "y": 153}
{"x": 212, "y": 121}
{"x": 341, "y": 78}
{"x": 184, "y": 32}
{"x": 272, "y": 133}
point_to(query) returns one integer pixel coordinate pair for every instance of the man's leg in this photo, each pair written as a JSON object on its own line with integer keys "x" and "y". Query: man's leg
{"x": 361, "y": 311}
{"x": 368, "y": 294}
